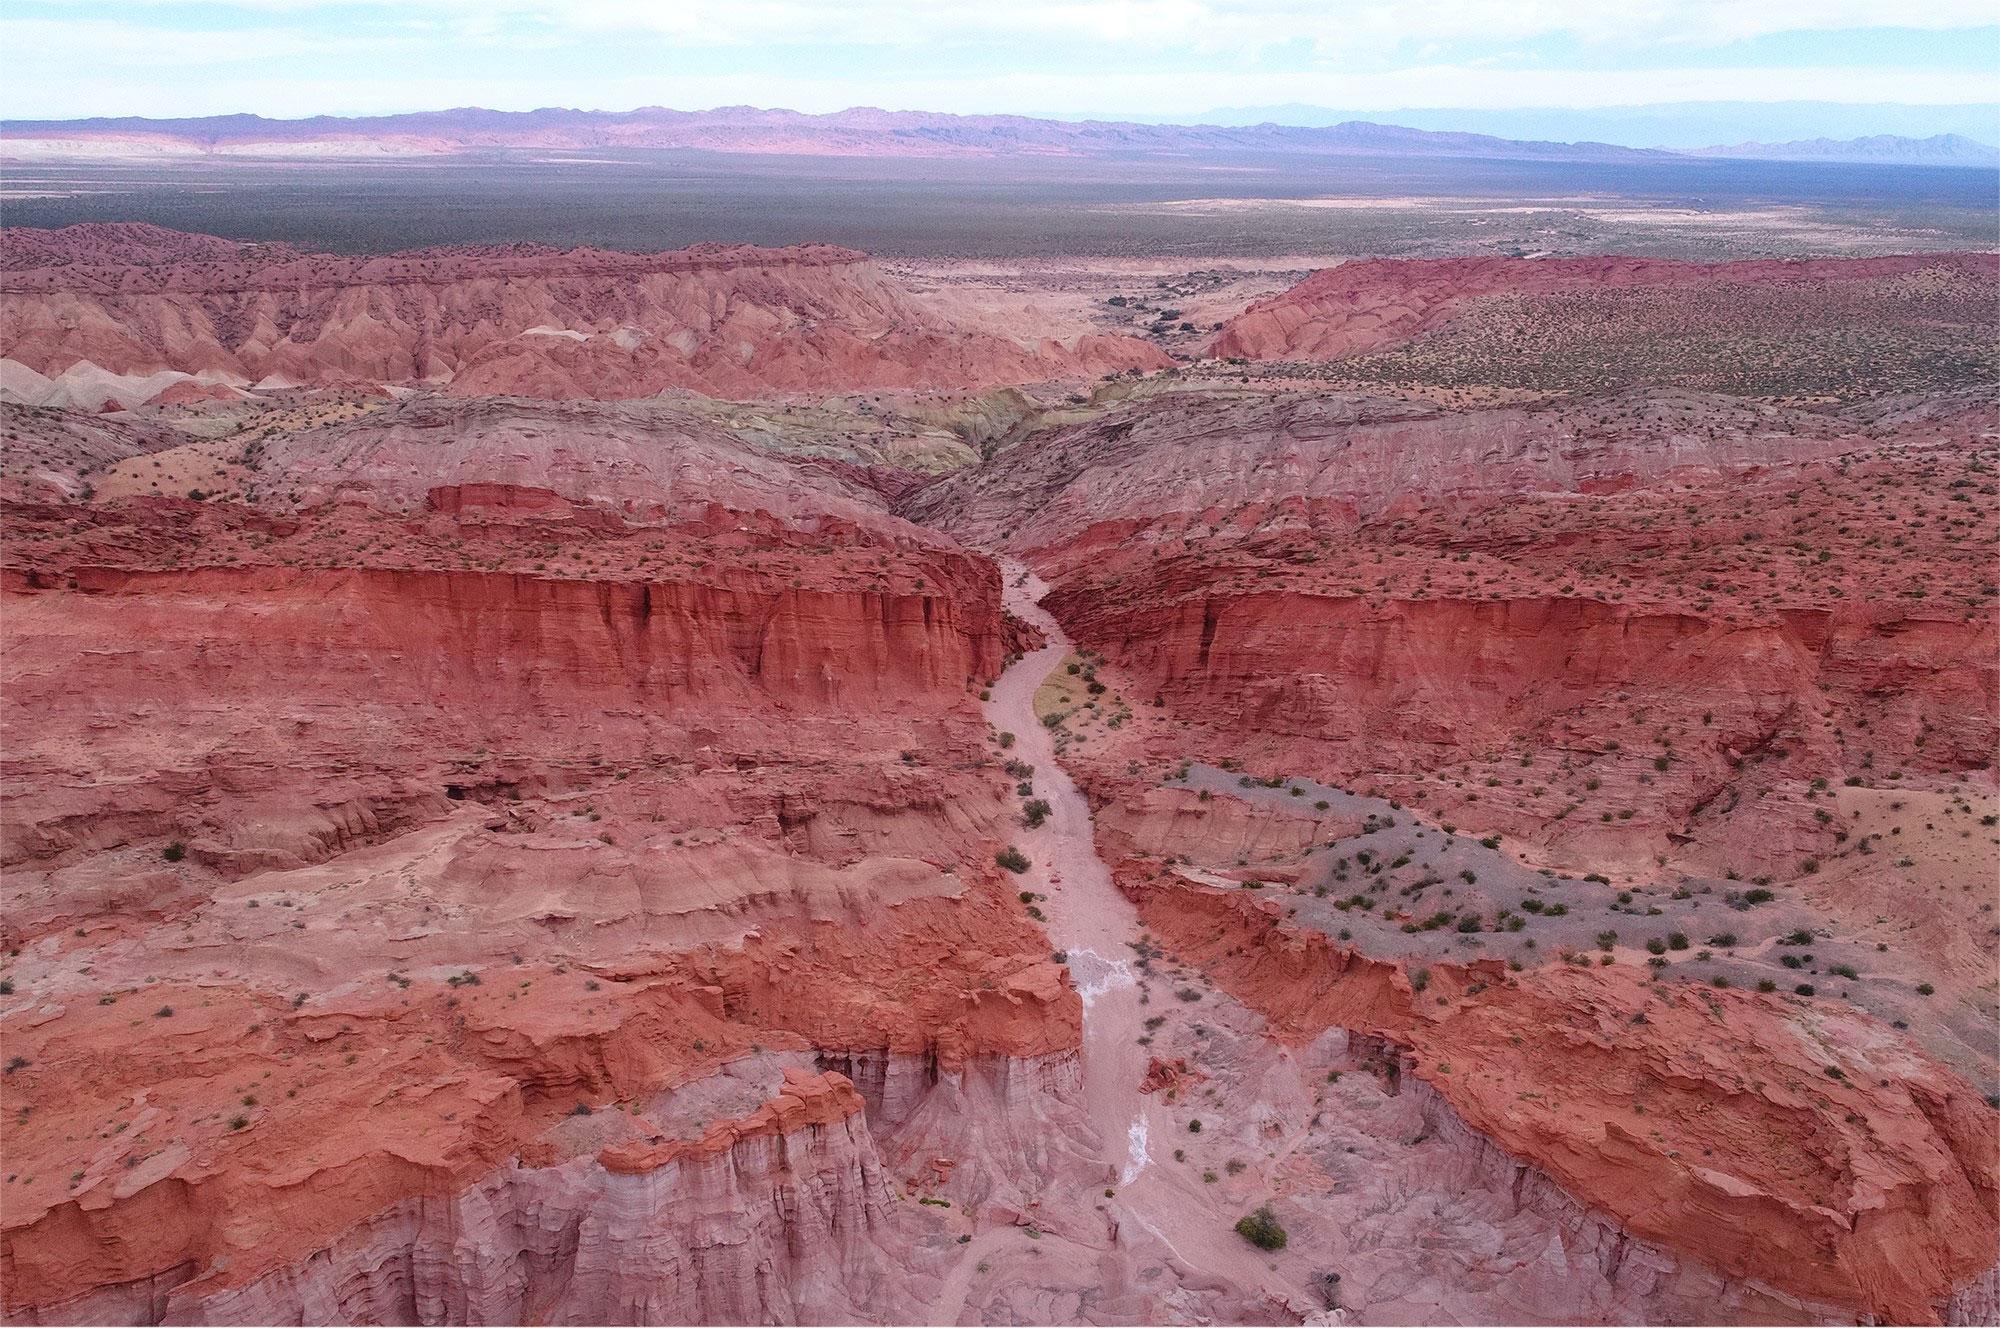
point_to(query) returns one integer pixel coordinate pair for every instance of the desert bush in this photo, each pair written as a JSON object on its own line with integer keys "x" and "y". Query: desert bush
{"x": 1262, "y": 1230}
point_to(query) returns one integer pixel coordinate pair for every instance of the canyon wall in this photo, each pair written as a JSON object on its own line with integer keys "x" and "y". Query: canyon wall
{"x": 1792, "y": 1144}
{"x": 1357, "y": 688}
{"x": 1677, "y": 609}
{"x": 782, "y": 1216}
{"x": 472, "y": 857}
{"x": 416, "y": 634}
{"x": 312, "y": 666}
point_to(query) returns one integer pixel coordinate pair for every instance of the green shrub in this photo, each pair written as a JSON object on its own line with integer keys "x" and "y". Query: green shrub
{"x": 1013, "y": 859}
{"x": 1262, "y": 1230}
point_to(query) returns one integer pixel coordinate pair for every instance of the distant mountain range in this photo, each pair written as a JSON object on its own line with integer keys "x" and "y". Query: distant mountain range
{"x": 1937, "y": 150}
{"x": 863, "y": 132}
{"x": 858, "y": 132}
{"x": 1686, "y": 125}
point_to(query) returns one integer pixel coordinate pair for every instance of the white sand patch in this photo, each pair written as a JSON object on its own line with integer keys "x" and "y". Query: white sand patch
{"x": 1099, "y": 975}
{"x": 1136, "y": 1155}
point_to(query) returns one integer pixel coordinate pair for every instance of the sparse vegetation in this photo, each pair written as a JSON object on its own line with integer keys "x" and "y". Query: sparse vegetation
{"x": 1262, "y": 1229}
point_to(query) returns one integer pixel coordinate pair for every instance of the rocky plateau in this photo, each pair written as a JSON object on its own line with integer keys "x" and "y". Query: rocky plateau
{"x": 721, "y": 787}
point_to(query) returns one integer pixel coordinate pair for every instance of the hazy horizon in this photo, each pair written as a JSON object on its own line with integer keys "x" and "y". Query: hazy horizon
{"x": 1132, "y": 59}
{"x": 1672, "y": 125}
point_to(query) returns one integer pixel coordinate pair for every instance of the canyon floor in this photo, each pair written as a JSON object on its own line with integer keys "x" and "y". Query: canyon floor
{"x": 777, "y": 785}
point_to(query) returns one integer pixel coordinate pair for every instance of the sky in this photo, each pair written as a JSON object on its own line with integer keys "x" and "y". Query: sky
{"x": 1151, "y": 58}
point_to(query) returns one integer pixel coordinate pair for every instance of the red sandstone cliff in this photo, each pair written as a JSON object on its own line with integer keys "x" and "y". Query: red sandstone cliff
{"x": 1369, "y": 589}
{"x": 1781, "y": 1139}
{"x": 450, "y": 846}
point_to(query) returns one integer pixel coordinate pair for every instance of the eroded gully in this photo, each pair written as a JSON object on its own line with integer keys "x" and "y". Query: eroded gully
{"x": 1096, "y": 925}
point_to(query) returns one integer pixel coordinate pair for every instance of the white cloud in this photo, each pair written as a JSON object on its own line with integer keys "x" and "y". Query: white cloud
{"x": 63, "y": 45}
{"x": 1192, "y": 24}
{"x": 1212, "y": 25}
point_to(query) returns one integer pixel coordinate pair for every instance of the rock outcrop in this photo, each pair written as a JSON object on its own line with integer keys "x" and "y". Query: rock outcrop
{"x": 461, "y": 861}
{"x": 516, "y": 320}
{"x": 49, "y": 454}
{"x": 1685, "y": 595}
{"x": 1363, "y": 306}
{"x": 1642, "y": 636}
{"x": 781, "y": 1215}
{"x": 1787, "y": 1141}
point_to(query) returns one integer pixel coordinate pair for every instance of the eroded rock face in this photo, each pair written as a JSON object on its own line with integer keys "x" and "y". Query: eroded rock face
{"x": 1677, "y": 609}
{"x": 602, "y": 460}
{"x": 459, "y": 865}
{"x": 1475, "y": 608}
{"x": 48, "y": 454}
{"x": 1790, "y": 1142}
{"x": 510, "y": 860}
{"x": 1361, "y": 306}
{"x": 237, "y": 681}
{"x": 783, "y": 1215}
{"x": 516, "y": 320}
{"x": 1375, "y": 691}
